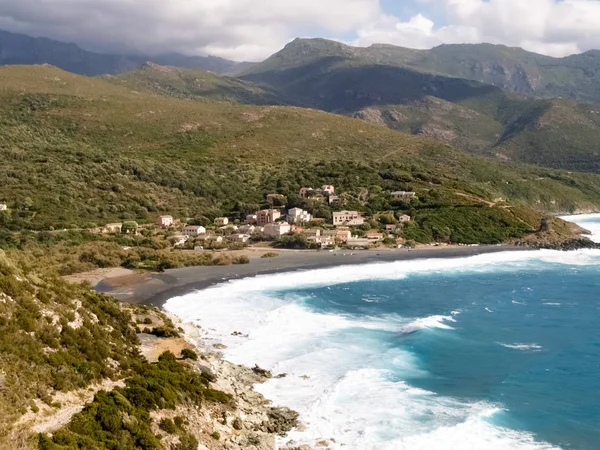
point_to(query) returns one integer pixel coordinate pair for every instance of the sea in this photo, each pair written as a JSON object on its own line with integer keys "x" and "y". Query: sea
{"x": 495, "y": 351}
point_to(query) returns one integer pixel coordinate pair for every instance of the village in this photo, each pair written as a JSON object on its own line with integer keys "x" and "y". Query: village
{"x": 279, "y": 227}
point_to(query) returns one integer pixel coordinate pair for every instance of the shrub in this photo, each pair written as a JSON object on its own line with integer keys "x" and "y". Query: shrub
{"x": 187, "y": 353}
{"x": 270, "y": 255}
{"x": 167, "y": 425}
{"x": 215, "y": 435}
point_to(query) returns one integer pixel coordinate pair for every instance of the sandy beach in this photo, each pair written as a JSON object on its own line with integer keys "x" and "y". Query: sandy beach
{"x": 156, "y": 288}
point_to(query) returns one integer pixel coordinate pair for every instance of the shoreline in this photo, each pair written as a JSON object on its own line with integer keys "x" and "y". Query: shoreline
{"x": 154, "y": 289}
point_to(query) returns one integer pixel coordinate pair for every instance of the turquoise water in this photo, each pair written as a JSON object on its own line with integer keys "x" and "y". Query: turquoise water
{"x": 488, "y": 352}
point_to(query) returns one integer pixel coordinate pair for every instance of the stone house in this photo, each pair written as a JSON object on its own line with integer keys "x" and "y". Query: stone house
{"x": 164, "y": 221}
{"x": 266, "y": 216}
{"x": 404, "y": 218}
{"x": 112, "y": 228}
{"x": 403, "y": 195}
{"x": 251, "y": 219}
{"x": 220, "y": 221}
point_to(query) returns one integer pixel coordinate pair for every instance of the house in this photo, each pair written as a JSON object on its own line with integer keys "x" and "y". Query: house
{"x": 193, "y": 230}
{"x": 342, "y": 235}
{"x": 210, "y": 239}
{"x": 247, "y": 229}
{"x": 391, "y": 227}
{"x": 3, "y": 206}
{"x": 403, "y": 195}
{"x": 305, "y": 192}
{"x": 275, "y": 230}
{"x": 327, "y": 189}
{"x": 314, "y": 233}
{"x": 333, "y": 199}
{"x": 374, "y": 236}
{"x": 327, "y": 241}
{"x": 112, "y": 228}
{"x": 348, "y": 218}
{"x": 266, "y": 216}
{"x": 220, "y": 221}
{"x": 404, "y": 218}
{"x": 298, "y": 215}
{"x": 251, "y": 219}
{"x": 164, "y": 221}
{"x": 358, "y": 242}
{"x": 243, "y": 238}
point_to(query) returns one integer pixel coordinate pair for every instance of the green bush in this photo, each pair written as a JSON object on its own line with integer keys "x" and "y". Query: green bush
{"x": 168, "y": 426}
{"x": 187, "y": 353}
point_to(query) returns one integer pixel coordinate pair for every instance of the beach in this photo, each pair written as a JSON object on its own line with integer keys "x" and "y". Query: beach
{"x": 156, "y": 288}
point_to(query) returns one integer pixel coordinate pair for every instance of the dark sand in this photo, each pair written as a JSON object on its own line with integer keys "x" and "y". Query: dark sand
{"x": 157, "y": 288}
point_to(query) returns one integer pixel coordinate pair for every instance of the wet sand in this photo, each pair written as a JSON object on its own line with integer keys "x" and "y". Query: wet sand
{"x": 156, "y": 288}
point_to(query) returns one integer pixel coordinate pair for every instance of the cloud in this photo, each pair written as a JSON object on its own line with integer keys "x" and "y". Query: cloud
{"x": 249, "y": 29}
{"x": 254, "y": 29}
{"x": 556, "y": 28}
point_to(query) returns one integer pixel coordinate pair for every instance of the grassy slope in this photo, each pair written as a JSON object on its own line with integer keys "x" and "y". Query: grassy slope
{"x": 195, "y": 84}
{"x": 83, "y": 151}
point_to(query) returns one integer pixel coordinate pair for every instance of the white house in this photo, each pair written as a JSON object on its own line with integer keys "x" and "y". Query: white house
{"x": 164, "y": 221}
{"x": 3, "y": 207}
{"x": 112, "y": 228}
{"x": 194, "y": 230}
{"x": 298, "y": 215}
{"x": 404, "y": 218}
{"x": 220, "y": 221}
{"x": 275, "y": 230}
{"x": 327, "y": 189}
{"x": 348, "y": 218}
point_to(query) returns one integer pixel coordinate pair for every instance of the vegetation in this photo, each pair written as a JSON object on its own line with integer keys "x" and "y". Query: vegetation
{"x": 58, "y": 337}
{"x": 77, "y": 153}
{"x": 120, "y": 419}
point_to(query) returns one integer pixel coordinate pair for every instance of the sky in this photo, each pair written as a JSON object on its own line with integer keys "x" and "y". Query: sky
{"x": 252, "y": 30}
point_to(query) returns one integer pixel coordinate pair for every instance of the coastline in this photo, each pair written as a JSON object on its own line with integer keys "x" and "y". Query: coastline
{"x": 156, "y": 288}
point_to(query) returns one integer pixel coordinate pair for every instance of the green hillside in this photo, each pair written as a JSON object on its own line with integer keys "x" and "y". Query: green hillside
{"x": 195, "y": 84}
{"x": 80, "y": 152}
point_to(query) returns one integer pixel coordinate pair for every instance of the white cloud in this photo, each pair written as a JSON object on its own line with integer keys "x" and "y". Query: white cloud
{"x": 253, "y": 29}
{"x": 556, "y": 28}
{"x": 250, "y": 29}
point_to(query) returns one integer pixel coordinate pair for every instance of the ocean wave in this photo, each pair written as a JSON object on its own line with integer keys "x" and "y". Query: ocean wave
{"x": 551, "y": 304}
{"x": 523, "y": 347}
{"x": 428, "y": 322}
{"x": 590, "y": 222}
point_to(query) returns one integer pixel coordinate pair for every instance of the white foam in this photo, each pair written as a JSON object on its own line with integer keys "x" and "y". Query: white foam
{"x": 340, "y": 370}
{"x": 523, "y": 347}
{"x": 590, "y": 222}
{"x": 428, "y": 322}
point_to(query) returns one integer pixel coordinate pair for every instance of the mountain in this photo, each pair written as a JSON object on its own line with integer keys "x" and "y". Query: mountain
{"x": 406, "y": 90}
{"x": 82, "y": 152}
{"x": 22, "y": 49}
{"x": 510, "y": 69}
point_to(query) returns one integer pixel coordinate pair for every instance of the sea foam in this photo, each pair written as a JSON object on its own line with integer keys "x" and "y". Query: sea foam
{"x": 342, "y": 377}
